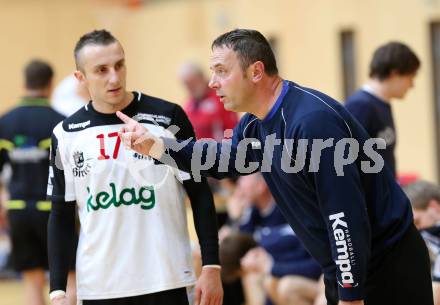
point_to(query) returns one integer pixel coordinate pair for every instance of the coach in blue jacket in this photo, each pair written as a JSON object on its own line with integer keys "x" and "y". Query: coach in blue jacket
{"x": 322, "y": 169}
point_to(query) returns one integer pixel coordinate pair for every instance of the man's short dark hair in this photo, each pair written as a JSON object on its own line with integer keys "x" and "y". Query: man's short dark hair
{"x": 96, "y": 37}
{"x": 421, "y": 192}
{"x": 393, "y": 56}
{"x": 250, "y": 46}
{"x": 38, "y": 74}
{"x": 232, "y": 248}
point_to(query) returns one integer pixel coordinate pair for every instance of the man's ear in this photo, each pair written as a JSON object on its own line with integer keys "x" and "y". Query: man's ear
{"x": 50, "y": 87}
{"x": 394, "y": 73}
{"x": 79, "y": 76}
{"x": 257, "y": 71}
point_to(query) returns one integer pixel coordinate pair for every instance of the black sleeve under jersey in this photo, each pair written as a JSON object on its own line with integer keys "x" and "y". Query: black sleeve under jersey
{"x": 201, "y": 198}
{"x": 61, "y": 242}
{"x": 4, "y": 143}
{"x": 61, "y": 226}
{"x": 56, "y": 186}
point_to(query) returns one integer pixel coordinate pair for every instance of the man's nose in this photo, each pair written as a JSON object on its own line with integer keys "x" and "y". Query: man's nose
{"x": 114, "y": 76}
{"x": 213, "y": 83}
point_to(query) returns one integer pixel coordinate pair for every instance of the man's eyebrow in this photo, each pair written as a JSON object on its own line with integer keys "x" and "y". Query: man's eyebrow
{"x": 104, "y": 65}
{"x": 216, "y": 66}
{"x": 99, "y": 66}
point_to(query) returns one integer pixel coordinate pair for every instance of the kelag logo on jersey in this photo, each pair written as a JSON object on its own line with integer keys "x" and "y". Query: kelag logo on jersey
{"x": 80, "y": 170}
{"x": 145, "y": 197}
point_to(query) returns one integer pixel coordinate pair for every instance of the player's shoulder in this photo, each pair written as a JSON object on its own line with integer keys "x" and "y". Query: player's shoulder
{"x": 360, "y": 99}
{"x": 75, "y": 122}
{"x": 15, "y": 113}
{"x": 155, "y": 109}
{"x": 40, "y": 116}
{"x": 311, "y": 98}
{"x": 55, "y": 114}
{"x": 9, "y": 114}
{"x": 154, "y": 104}
{"x": 313, "y": 112}
{"x": 308, "y": 104}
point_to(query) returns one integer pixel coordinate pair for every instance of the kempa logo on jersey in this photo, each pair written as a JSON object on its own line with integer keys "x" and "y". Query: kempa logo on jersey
{"x": 344, "y": 248}
{"x": 79, "y": 125}
{"x": 80, "y": 170}
{"x": 145, "y": 197}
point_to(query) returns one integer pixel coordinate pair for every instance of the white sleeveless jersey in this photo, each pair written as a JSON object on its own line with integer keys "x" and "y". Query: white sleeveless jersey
{"x": 134, "y": 237}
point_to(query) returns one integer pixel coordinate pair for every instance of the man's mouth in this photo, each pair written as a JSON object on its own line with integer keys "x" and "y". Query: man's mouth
{"x": 116, "y": 90}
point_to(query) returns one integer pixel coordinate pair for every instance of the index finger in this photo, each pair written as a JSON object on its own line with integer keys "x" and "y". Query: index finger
{"x": 125, "y": 118}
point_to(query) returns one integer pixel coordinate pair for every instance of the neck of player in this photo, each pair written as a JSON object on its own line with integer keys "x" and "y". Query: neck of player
{"x": 104, "y": 107}
{"x": 266, "y": 96}
{"x": 380, "y": 89}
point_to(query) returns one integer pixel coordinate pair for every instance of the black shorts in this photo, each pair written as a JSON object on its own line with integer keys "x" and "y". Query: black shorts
{"x": 177, "y": 296}
{"x": 401, "y": 277}
{"x": 28, "y": 231}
